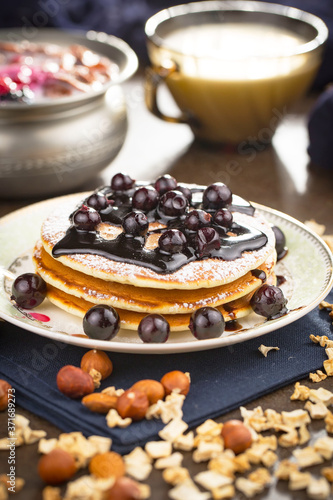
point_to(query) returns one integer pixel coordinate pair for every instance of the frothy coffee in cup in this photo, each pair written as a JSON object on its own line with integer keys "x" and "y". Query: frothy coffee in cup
{"x": 233, "y": 42}
{"x": 230, "y": 78}
{"x": 229, "y": 67}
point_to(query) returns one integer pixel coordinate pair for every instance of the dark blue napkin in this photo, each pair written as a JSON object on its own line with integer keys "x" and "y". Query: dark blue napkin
{"x": 222, "y": 379}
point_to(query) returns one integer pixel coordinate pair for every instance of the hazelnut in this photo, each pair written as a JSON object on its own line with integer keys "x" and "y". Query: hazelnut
{"x": 97, "y": 360}
{"x": 153, "y": 389}
{"x": 56, "y": 467}
{"x": 74, "y": 382}
{"x": 133, "y": 404}
{"x": 99, "y": 402}
{"x": 124, "y": 489}
{"x": 175, "y": 380}
{"x": 107, "y": 464}
{"x": 4, "y": 389}
{"x": 236, "y": 436}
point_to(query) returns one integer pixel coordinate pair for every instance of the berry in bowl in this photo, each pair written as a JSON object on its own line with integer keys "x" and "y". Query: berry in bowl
{"x": 35, "y": 72}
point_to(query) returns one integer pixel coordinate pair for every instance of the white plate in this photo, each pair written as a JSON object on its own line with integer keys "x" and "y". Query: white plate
{"x": 307, "y": 267}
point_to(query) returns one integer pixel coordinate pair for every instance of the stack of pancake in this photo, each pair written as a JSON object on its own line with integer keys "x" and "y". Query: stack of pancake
{"x": 78, "y": 281}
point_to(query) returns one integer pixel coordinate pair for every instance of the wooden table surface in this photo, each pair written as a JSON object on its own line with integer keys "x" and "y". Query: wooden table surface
{"x": 278, "y": 176}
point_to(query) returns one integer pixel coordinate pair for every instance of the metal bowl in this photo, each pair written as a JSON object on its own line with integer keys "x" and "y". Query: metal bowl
{"x": 51, "y": 147}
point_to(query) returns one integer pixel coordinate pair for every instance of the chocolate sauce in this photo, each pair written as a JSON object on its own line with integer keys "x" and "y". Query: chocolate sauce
{"x": 238, "y": 204}
{"x": 232, "y": 326}
{"x": 124, "y": 249}
{"x": 258, "y": 273}
{"x": 129, "y": 249}
{"x": 230, "y": 310}
{"x": 282, "y": 254}
{"x": 280, "y": 280}
{"x": 280, "y": 242}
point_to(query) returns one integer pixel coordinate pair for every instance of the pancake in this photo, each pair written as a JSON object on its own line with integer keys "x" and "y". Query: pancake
{"x": 130, "y": 319}
{"x": 141, "y": 299}
{"x": 205, "y": 273}
{"x": 106, "y": 263}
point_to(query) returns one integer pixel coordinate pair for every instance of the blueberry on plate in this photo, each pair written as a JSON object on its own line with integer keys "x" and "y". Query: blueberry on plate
{"x": 97, "y": 201}
{"x": 223, "y": 217}
{"x": 172, "y": 241}
{"x": 28, "y": 290}
{"x": 154, "y": 328}
{"x": 165, "y": 183}
{"x": 195, "y": 219}
{"x": 207, "y": 323}
{"x": 121, "y": 182}
{"x": 86, "y": 218}
{"x": 269, "y": 301}
{"x": 101, "y": 322}
{"x": 185, "y": 190}
{"x": 135, "y": 224}
{"x": 207, "y": 240}
{"x": 216, "y": 196}
{"x": 145, "y": 199}
{"x": 173, "y": 204}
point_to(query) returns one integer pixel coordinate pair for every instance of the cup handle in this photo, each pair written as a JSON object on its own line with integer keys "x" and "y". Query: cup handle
{"x": 154, "y": 77}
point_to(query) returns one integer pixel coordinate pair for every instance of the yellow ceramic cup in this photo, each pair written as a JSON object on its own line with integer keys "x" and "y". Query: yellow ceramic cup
{"x": 232, "y": 66}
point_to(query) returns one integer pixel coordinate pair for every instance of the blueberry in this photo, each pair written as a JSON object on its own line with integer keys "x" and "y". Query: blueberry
{"x": 196, "y": 219}
{"x": 119, "y": 199}
{"x": 186, "y": 192}
{"x": 154, "y": 329}
{"x": 145, "y": 199}
{"x": 28, "y": 290}
{"x": 86, "y": 218}
{"x": 223, "y": 217}
{"x": 172, "y": 241}
{"x": 172, "y": 204}
{"x": 165, "y": 183}
{"x": 216, "y": 196}
{"x": 207, "y": 240}
{"x": 280, "y": 242}
{"x": 121, "y": 182}
{"x": 207, "y": 323}
{"x": 269, "y": 301}
{"x": 101, "y": 322}
{"x": 135, "y": 224}
{"x": 97, "y": 201}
